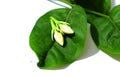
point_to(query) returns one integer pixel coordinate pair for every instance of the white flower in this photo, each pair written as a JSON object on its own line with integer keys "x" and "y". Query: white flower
{"x": 59, "y": 38}
{"x": 66, "y": 29}
{"x": 59, "y": 28}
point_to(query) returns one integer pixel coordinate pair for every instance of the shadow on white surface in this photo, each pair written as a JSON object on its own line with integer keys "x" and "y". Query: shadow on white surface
{"x": 90, "y": 48}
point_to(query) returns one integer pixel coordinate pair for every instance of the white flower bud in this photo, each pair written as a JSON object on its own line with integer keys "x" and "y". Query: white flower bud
{"x": 66, "y": 29}
{"x": 59, "y": 38}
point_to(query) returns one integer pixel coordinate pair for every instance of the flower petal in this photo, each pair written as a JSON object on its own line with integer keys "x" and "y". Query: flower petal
{"x": 66, "y": 29}
{"x": 59, "y": 38}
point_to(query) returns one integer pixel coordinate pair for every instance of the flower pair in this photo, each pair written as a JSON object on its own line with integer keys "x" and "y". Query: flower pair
{"x": 59, "y": 28}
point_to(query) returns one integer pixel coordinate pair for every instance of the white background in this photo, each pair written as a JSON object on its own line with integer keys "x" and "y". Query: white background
{"x": 17, "y": 18}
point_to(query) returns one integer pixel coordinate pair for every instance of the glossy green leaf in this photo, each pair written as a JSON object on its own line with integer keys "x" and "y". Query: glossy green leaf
{"x": 106, "y": 31}
{"x": 102, "y": 6}
{"x": 51, "y": 54}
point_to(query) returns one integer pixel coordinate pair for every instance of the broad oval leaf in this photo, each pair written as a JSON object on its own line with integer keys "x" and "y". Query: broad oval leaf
{"x": 106, "y": 31}
{"x": 51, "y": 54}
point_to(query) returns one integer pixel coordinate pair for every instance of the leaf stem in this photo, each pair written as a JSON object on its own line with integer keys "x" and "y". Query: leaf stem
{"x": 97, "y": 13}
{"x": 68, "y": 15}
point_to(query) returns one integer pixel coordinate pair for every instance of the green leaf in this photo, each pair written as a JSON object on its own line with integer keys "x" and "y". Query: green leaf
{"x": 102, "y": 6}
{"x": 106, "y": 31}
{"x": 51, "y": 54}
